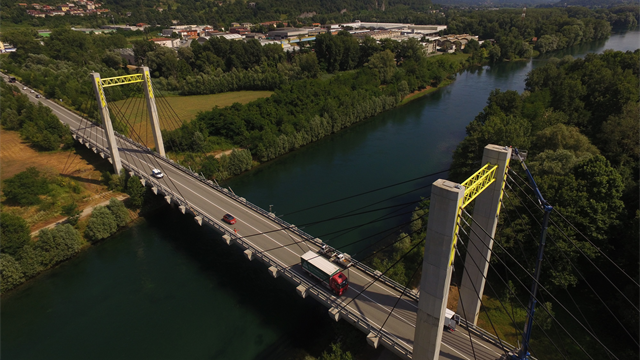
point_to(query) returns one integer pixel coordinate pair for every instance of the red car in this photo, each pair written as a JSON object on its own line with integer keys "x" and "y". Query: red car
{"x": 229, "y": 219}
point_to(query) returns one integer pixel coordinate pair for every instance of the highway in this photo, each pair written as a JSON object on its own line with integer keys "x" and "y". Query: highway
{"x": 283, "y": 246}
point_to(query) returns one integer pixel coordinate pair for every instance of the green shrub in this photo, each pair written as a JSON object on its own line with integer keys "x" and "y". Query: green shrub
{"x": 101, "y": 225}
{"x": 120, "y": 213}
{"x": 10, "y": 273}
{"x": 57, "y": 244}
{"x": 25, "y": 187}
{"x": 15, "y": 233}
{"x": 136, "y": 192}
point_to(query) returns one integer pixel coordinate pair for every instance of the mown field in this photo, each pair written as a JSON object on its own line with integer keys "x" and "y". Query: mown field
{"x": 173, "y": 110}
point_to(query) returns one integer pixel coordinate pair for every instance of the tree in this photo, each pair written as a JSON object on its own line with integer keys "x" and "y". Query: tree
{"x": 135, "y": 190}
{"x": 384, "y": 64}
{"x": 336, "y": 353}
{"x": 25, "y": 187}
{"x": 120, "y": 213}
{"x": 10, "y": 273}
{"x": 101, "y": 225}
{"x": 71, "y": 211}
{"x": 15, "y": 233}
{"x": 57, "y": 244}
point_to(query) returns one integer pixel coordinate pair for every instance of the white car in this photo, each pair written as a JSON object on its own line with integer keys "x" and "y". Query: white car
{"x": 32, "y": 91}
{"x": 157, "y": 173}
{"x": 24, "y": 88}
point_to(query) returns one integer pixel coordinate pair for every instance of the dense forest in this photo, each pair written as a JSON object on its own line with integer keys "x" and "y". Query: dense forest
{"x": 579, "y": 120}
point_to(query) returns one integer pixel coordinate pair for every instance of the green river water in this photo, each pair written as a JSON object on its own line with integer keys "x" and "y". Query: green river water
{"x": 166, "y": 288}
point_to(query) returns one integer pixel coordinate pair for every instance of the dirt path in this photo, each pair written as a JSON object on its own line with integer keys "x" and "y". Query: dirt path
{"x": 85, "y": 212}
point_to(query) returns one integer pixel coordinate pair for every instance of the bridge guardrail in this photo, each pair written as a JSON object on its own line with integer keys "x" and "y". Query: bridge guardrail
{"x": 286, "y": 226}
{"x": 387, "y": 338}
{"x": 357, "y": 319}
{"x": 489, "y": 337}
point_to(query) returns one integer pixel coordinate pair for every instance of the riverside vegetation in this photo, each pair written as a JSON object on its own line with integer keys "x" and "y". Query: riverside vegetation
{"x": 319, "y": 89}
{"x": 23, "y": 258}
{"x": 579, "y": 120}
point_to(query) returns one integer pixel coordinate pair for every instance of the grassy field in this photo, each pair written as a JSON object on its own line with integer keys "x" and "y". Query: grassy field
{"x": 80, "y": 167}
{"x": 185, "y": 108}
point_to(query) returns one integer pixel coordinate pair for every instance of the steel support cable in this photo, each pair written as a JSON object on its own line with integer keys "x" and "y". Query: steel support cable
{"x": 370, "y": 191}
{"x": 542, "y": 287}
{"x": 156, "y": 161}
{"x": 590, "y": 242}
{"x": 383, "y": 200}
{"x": 473, "y": 349}
{"x": 84, "y": 129}
{"x": 587, "y": 257}
{"x": 403, "y": 205}
{"x": 381, "y": 217}
{"x": 306, "y": 240}
{"x": 548, "y": 262}
{"x": 375, "y": 279}
{"x": 64, "y": 168}
{"x": 476, "y": 289}
{"x": 510, "y": 291}
{"x": 164, "y": 104}
{"x": 529, "y": 265}
{"x": 513, "y": 294}
{"x": 136, "y": 161}
{"x": 584, "y": 279}
{"x": 155, "y": 89}
{"x": 345, "y": 245}
{"x": 406, "y": 286}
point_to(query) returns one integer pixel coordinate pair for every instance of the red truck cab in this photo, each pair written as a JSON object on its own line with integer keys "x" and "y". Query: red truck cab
{"x": 339, "y": 283}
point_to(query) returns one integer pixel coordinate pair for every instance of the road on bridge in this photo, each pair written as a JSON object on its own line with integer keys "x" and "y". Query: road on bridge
{"x": 374, "y": 304}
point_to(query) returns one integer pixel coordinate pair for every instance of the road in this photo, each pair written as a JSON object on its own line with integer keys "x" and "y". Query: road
{"x": 283, "y": 246}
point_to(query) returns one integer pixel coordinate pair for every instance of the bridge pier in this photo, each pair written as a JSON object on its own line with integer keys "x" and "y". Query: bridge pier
{"x": 373, "y": 339}
{"x": 446, "y": 200}
{"x": 485, "y": 214}
{"x": 334, "y": 313}
{"x": 274, "y": 271}
{"x": 106, "y": 123}
{"x": 302, "y": 291}
{"x": 152, "y": 110}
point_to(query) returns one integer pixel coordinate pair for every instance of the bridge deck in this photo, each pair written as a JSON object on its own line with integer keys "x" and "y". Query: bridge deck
{"x": 368, "y": 311}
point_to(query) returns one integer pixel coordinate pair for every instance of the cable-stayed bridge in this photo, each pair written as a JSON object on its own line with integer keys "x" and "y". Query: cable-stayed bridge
{"x": 404, "y": 321}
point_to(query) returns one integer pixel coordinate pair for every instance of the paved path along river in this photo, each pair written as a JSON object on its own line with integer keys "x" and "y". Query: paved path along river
{"x": 162, "y": 289}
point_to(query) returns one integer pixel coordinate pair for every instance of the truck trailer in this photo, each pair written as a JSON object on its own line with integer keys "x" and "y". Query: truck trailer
{"x": 322, "y": 269}
{"x": 451, "y": 320}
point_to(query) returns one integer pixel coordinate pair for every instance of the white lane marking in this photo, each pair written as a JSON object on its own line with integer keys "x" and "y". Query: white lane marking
{"x": 62, "y": 113}
{"x": 479, "y": 343}
{"x": 261, "y": 218}
{"x": 285, "y": 248}
{"x": 456, "y": 351}
{"x": 339, "y": 301}
{"x": 269, "y": 223}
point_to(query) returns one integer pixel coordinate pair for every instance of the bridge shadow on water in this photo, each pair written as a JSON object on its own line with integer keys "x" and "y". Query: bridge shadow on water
{"x": 301, "y": 326}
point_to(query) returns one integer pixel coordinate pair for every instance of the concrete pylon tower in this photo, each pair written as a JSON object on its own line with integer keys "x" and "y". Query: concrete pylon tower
{"x": 106, "y": 123}
{"x": 152, "y": 110}
{"x": 446, "y": 201}
{"x": 485, "y": 215}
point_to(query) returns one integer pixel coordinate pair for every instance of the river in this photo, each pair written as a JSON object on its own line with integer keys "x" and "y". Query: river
{"x": 166, "y": 289}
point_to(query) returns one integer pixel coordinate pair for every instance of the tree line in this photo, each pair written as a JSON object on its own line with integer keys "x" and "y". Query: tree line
{"x": 22, "y": 258}
{"x": 578, "y": 119}
{"x": 36, "y": 123}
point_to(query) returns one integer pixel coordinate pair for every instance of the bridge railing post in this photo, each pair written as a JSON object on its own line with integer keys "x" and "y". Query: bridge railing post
{"x": 485, "y": 216}
{"x": 446, "y": 201}
{"x": 106, "y": 122}
{"x": 152, "y": 110}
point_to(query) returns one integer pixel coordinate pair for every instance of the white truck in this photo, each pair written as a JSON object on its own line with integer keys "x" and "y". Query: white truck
{"x": 451, "y": 320}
